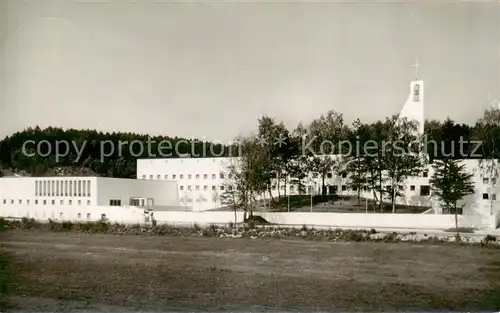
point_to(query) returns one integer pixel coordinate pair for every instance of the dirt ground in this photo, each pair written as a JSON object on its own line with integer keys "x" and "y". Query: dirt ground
{"x": 57, "y": 270}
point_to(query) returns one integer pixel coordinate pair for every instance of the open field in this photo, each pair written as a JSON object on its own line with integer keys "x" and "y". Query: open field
{"x": 223, "y": 274}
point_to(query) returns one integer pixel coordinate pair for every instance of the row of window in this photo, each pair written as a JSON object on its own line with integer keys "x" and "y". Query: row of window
{"x": 189, "y": 176}
{"x": 205, "y": 188}
{"x": 486, "y": 196}
{"x": 61, "y": 215}
{"x": 221, "y": 176}
{"x": 214, "y": 176}
{"x": 486, "y": 181}
{"x": 43, "y": 202}
{"x": 62, "y": 188}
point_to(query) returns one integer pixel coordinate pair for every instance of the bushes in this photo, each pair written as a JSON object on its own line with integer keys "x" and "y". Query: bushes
{"x": 249, "y": 231}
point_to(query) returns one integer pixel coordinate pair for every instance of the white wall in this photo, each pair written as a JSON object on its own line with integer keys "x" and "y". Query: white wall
{"x": 21, "y": 190}
{"x": 133, "y": 215}
{"x": 348, "y": 220}
{"x": 129, "y": 215}
{"x": 163, "y": 193}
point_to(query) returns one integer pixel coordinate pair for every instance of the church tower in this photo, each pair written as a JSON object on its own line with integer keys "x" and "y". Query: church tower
{"x": 414, "y": 105}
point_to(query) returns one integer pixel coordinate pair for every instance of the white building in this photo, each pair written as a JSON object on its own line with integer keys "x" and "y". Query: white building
{"x": 84, "y": 198}
{"x": 200, "y": 180}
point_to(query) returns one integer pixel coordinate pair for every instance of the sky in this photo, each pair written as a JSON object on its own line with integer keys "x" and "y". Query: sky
{"x": 211, "y": 69}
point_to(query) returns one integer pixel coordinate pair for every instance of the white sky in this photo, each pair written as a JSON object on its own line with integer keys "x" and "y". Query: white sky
{"x": 211, "y": 69}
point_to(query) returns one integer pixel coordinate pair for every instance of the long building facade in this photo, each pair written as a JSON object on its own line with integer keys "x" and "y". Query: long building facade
{"x": 201, "y": 181}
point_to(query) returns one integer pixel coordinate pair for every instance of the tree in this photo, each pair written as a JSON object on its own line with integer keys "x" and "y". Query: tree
{"x": 451, "y": 183}
{"x": 328, "y": 131}
{"x": 248, "y": 179}
{"x": 399, "y": 162}
{"x": 487, "y": 131}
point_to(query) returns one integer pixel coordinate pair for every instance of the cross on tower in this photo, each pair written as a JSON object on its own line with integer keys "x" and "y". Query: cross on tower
{"x": 416, "y": 66}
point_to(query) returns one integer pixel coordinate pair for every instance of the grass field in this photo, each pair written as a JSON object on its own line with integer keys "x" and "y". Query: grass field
{"x": 55, "y": 269}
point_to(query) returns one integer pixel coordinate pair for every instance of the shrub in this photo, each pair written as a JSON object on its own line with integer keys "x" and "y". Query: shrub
{"x": 257, "y": 219}
{"x": 489, "y": 238}
{"x": 28, "y": 223}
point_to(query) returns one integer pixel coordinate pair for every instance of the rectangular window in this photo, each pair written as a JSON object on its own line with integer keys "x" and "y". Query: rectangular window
{"x": 158, "y": 176}
{"x": 344, "y": 175}
{"x": 143, "y": 176}
{"x": 189, "y": 176}
{"x": 197, "y": 187}
{"x": 329, "y": 175}
{"x": 58, "y": 183}
{"x": 213, "y": 187}
{"x": 150, "y": 176}
{"x": 75, "y": 188}
{"x": 88, "y": 188}
{"x": 189, "y": 188}
{"x": 486, "y": 181}
{"x": 70, "y": 188}
{"x": 36, "y": 201}
{"x": 213, "y": 176}
{"x": 79, "y": 188}
{"x": 84, "y": 188}
{"x": 61, "y": 202}
{"x": 44, "y": 188}
{"x": 221, "y": 187}
{"x": 205, "y": 187}
{"x": 485, "y": 196}
{"x": 425, "y": 190}
{"x": 197, "y": 176}
{"x": 28, "y": 201}
{"x": 205, "y": 176}
{"x": 173, "y": 176}
{"x": 36, "y": 188}
{"x": 166, "y": 176}
{"x": 182, "y": 187}
{"x": 425, "y": 174}
{"x": 412, "y": 187}
{"x": 494, "y": 196}
{"x": 53, "y": 202}
{"x": 221, "y": 175}
{"x": 493, "y": 181}
{"x": 66, "y": 188}
{"x": 114, "y": 202}
{"x": 53, "y": 188}
{"x": 344, "y": 187}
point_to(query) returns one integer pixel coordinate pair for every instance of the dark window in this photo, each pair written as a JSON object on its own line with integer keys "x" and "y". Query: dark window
{"x": 344, "y": 175}
{"x": 425, "y": 174}
{"x": 329, "y": 175}
{"x": 425, "y": 190}
{"x": 344, "y": 187}
{"x": 115, "y": 202}
{"x": 485, "y": 196}
{"x": 412, "y": 187}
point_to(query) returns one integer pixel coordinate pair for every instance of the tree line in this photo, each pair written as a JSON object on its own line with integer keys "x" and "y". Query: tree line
{"x": 267, "y": 164}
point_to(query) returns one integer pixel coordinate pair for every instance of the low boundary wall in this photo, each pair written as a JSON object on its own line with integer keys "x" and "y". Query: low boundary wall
{"x": 133, "y": 215}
